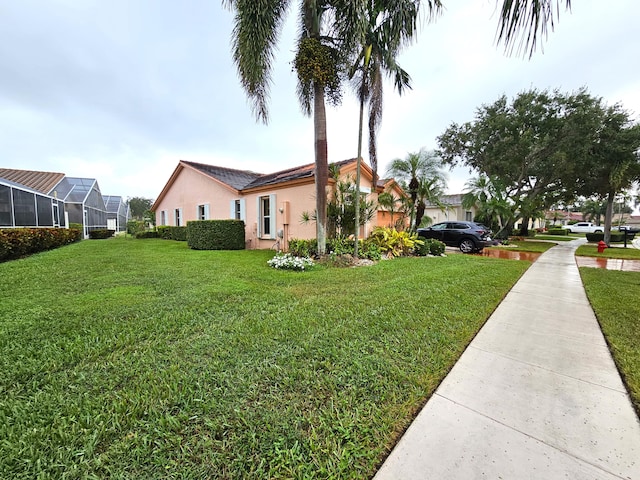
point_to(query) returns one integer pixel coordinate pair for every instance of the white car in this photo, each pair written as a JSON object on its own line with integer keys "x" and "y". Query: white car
{"x": 583, "y": 227}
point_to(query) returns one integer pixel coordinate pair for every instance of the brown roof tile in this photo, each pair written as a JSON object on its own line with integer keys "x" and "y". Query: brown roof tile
{"x": 40, "y": 181}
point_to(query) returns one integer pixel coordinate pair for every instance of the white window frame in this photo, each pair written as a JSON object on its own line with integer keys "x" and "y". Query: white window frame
{"x": 236, "y": 207}
{"x": 271, "y": 199}
{"x": 202, "y": 211}
{"x": 164, "y": 215}
{"x": 177, "y": 217}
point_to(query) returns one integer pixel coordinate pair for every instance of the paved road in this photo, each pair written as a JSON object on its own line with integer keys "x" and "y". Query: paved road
{"x": 536, "y": 395}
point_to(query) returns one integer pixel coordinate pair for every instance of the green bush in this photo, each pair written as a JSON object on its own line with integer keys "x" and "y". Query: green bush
{"x": 557, "y": 231}
{"x": 147, "y": 234}
{"x": 303, "y": 248}
{"x": 77, "y": 226}
{"x": 172, "y": 233}
{"x": 596, "y": 237}
{"x": 430, "y": 246}
{"x": 101, "y": 233}
{"x": 216, "y": 235}
{"x": 18, "y": 242}
{"x": 135, "y": 226}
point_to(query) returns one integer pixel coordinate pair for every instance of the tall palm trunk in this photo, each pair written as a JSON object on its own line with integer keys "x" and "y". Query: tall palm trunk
{"x": 356, "y": 200}
{"x": 322, "y": 166}
{"x": 608, "y": 216}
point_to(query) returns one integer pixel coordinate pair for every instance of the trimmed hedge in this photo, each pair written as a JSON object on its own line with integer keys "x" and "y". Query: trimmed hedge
{"x": 216, "y": 235}
{"x": 147, "y": 234}
{"x": 172, "y": 233}
{"x": 18, "y": 242}
{"x": 101, "y": 233}
{"x": 557, "y": 231}
{"x": 430, "y": 246}
{"x": 615, "y": 237}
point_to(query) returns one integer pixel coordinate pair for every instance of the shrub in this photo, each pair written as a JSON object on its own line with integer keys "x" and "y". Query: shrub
{"x": 18, "y": 242}
{"x": 286, "y": 261}
{"x": 216, "y": 234}
{"x": 430, "y": 246}
{"x": 101, "y": 233}
{"x": 172, "y": 233}
{"x": 76, "y": 226}
{"x": 596, "y": 237}
{"x": 394, "y": 243}
{"x": 135, "y": 226}
{"x": 303, "y": 248}
{"x": 558, "y": 231}
{"x": 370, "y": 250}
{"x": 147, "y": 234}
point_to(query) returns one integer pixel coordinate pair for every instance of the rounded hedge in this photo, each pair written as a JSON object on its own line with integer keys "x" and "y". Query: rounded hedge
{"x": 216, "y": 235}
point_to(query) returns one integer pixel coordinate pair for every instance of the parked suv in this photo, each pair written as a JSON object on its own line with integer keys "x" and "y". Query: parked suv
{"x": 469, "y": 237}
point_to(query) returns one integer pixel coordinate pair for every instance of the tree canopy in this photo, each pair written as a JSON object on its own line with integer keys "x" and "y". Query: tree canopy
{"x": 138, "y": 206}
{"x": 547, "y": 147}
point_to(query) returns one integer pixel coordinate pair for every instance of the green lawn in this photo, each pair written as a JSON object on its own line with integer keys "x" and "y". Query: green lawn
{"x": 526, "y": 246}
{"x": 128, "y": 358}
{"x": 614, "y": 297}
{"x": 591, "y": 250}
{"x": 555, "y": 238}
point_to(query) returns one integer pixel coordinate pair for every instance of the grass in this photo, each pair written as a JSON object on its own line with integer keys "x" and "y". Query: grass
{"x": 128, "y": 358}
{"x": 614, "y": 298}
{"x": 526, "y": 246}
{"x": 591, "y": 250}
{"x": 555, "y": 238}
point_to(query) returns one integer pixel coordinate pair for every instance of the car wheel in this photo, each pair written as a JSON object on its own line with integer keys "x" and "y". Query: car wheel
{"x": 467, "y": 245}
{"x": 597, "y": 231}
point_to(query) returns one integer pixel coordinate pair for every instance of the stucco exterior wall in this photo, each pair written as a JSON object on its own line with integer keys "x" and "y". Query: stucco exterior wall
{"x": 191, "y": 189}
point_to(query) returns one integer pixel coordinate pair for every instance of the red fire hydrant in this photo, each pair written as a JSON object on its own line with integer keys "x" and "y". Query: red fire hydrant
{"x": 601, "y": 246}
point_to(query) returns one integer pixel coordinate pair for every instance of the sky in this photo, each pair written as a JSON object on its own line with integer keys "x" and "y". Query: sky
{"x": 121, "y": 90}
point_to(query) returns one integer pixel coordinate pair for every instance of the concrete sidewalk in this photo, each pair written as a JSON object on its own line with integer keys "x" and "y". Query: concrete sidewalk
{"x": 536, "y": 395}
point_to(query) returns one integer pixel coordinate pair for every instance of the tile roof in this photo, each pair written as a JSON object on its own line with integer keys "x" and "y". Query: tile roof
{"x": 244, "y": 179}
{"x": 42, "y": 182}
{"x": 234, "y": 178}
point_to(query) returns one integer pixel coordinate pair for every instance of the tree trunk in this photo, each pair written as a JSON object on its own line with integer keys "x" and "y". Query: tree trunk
{"x": 356, "y": 201}
{"x": 524, "y": 229}
{"x": 608, "y": 217}
{"x": 322, "y": 166}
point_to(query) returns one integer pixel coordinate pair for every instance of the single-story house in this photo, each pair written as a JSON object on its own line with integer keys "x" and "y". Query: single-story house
{"x": 272, "y": 206}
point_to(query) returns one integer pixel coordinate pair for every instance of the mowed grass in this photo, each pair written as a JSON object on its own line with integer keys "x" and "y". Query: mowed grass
{"x": 555, "y": 238}
{"x": 526, "y": 246}
{"x": 614, "y": 297}
{"x": 591, "y": 250}
{"x": 128, "y": 358}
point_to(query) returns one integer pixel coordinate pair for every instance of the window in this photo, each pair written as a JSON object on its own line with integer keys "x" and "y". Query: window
{"x": 267, "y": 216}
{"x": 237, "y": 210}
{"x": 163, "y": 217}
{"x": 178, "y": 217}
{"x": 468, "y": 216}
{"x": 203, "y": 212}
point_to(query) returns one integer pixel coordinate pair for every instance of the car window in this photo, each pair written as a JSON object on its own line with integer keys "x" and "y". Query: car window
{"x": 439, "y": 226}
{"x": 460, "y": 226}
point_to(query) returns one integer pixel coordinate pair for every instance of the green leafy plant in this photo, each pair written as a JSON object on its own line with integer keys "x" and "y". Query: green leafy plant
{"x": 393, "y": 243}
{"x": 101, "y": 233}
{"x": 216, "y": 235}
{"x": 430, "y": 246}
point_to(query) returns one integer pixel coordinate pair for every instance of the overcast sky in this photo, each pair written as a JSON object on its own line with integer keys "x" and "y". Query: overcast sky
{"x": 120, "y": 90}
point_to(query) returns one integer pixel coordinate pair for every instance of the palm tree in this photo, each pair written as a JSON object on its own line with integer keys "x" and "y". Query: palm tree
{"x": 414, "y": 170}
{"x": 488, "y": 195}
{"x": 389, "y": 26}
{"x": 522, "y": 21}
{"x": 393, "y": 205}
{"x": 257, "y": 25}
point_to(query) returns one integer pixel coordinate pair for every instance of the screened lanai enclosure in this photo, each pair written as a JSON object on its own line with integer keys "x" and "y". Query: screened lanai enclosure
{"x": 117, "y": 212}
{"x": 21, "y": 206}
{"x": 83, "y": 201}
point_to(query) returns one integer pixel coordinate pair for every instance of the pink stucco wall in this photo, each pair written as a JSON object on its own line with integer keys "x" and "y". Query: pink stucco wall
{"x": 191, "y": 189}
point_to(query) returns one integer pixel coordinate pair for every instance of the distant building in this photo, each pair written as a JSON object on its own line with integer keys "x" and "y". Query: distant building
{"x": 118, "y": 213}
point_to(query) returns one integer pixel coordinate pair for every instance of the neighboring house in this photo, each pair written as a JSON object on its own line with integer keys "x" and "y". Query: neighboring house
{"x": 21, "y": 206}
{"x": 451, "y": 209}
{"x": 118, "y": 213}
{"x": 272, "y": 205}
{"x": 79, "y": 199}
